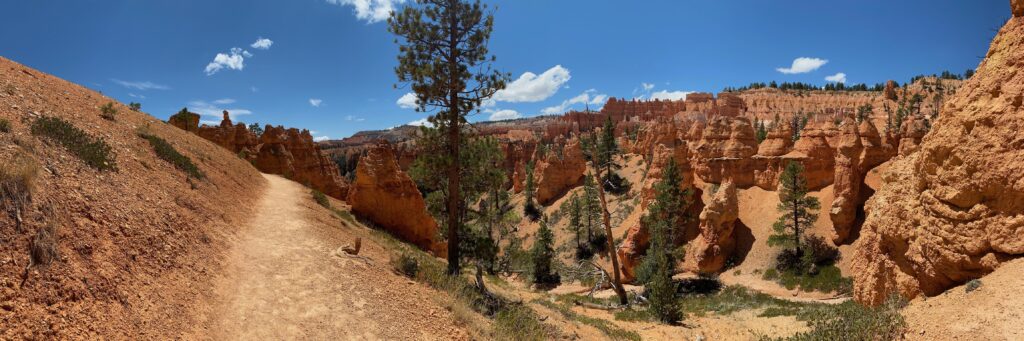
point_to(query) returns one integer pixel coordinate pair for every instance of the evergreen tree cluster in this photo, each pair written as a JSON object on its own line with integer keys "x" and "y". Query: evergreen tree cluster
{"x": 584, "y": 222}
{"x": 664, "y": 216}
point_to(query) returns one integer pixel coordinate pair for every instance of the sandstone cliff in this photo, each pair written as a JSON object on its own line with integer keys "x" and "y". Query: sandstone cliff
{"x": 287, "y": 152}
{"x": 383, "y": 194}
{"x": 559, "y": 170}
{"x": 954, "y": 209}
{"x": 709, "y": 251}
{"x": 847, "y": 183}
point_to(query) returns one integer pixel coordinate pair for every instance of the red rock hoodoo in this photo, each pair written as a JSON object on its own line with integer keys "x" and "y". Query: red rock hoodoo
{"x": 710, "y": 250}
{"x": 383, "y": 194}
{"x": 848, "y": 178}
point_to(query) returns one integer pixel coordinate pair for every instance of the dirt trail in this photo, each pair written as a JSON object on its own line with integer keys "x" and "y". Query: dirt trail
{"x": 284, "y": 281}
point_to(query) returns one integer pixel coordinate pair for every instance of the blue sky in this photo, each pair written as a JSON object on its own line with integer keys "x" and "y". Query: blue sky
{"x": 329, "y": 67}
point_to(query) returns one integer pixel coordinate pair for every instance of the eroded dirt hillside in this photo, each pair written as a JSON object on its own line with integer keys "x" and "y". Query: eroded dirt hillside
{"x": 124, "y": 253}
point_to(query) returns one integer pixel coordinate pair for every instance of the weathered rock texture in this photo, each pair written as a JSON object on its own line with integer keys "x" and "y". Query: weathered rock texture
{"x": 559, "y": 170}
{"x": 954, "y": 209}
{"x": 725, "y": 151}
{"x": 709, "y": 251}
{"x": 288, "y": 152}
{"x": 848, "y": 178}
{"x": 383, "y": 194}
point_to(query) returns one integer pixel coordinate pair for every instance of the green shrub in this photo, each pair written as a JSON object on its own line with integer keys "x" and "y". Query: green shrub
{"x": 825, "y": 279}
{"x": 5, "y": 125}
{"x": 95, "y": 152}
{"x": 107, "y": 111}
{"x": 611, "y": 330}
{"x": 167, "y": 152}
{"x": 852, "y": 321}
{"x": 321, "y": 199}
{"x": 973, "y": 285}
{"x": 135, "y": 106}
{"x": 519, "y": 322}
{"x": 407, "y": 265}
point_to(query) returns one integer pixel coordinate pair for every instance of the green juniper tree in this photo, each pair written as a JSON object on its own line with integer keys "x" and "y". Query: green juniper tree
{"x": 799, "y": 211}
{"x": 655, "y": 271}
{"x": 444, "y": 58}
{"x": 607, "y": 149}
{"x": 543, "y": 253}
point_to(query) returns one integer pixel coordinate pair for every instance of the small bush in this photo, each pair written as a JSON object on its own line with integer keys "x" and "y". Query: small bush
{"x": 519, "y": 322}
{"x": 822, "y": 253}
{"x": 107, "y": 111}
{"x": 973, "y": 285}
{"x": 321, "y": 199}
{"x": 407, "y": 265}
{"x": 532, "y": 211}
{"x": 135, "y": 106}
{"x": 5, "y": 125}
{"x": 615, "y": 184}
{"x": 17, "y": 182}
{"x": 43, "y": 249}
{"x": 167, "y": 152}
{"x": 95, "y": 152}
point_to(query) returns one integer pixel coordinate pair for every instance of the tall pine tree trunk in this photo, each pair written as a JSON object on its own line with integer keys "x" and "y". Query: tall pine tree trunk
{"x": 607, "y": 219}
{"x": 454, "y": 133}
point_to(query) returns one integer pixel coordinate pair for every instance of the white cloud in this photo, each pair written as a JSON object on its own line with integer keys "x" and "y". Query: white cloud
{"x": 370, "y": 10}
{"x": 136, "y": 96}
{"x": 321, "y": 138}
{"x": 262, "y": 43}
{"x": 588, "y": 97}
{"x": 224, "y": 101}
{"x": 420, "y": 122}
{"x": 143, "y": 85}
{"x": 670, "y": 95}
{"x": 315, "y": 102}
{"x": 214, "y": 110}
{"x": 408, "y": 101}
{"x": 531, "y": 87}
{"x": 647, "y": 86}
{"x": 837, "y": 78}
{"x": 506, "y": 114}
{"x": 233, "y": 61}
{"x": 354, "y": 118}
{"x": 803, "y": 65}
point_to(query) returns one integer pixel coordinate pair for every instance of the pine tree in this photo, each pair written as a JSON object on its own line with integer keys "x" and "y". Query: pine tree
{"x": 590, "y": 209}
{"x": 445, "y": 59}
{"x": 578, "y": 230}
{"x": 607, "y": 150}
{"x": 530, "y": 208}
{"x": 666, "y": 213}
{"x": 799, "y": 211}
{"x": 543, "y": 253}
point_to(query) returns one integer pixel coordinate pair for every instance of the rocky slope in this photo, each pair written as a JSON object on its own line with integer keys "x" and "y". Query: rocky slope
{"x": 131, "y": 250}
{"x": 953, "y": 209}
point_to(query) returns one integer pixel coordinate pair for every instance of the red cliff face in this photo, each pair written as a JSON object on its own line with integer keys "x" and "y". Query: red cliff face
{"x": 383, "y": 194}
{"x": 725, "y": 150}
{"x": 818, "y": 157}
{"x": 287, "y": 152}
{"x": 559, "y": 170}
{"x": 952, "y": 210}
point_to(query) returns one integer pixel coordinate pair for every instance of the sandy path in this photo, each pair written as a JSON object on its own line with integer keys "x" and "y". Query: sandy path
{"x": 284, "y": 282}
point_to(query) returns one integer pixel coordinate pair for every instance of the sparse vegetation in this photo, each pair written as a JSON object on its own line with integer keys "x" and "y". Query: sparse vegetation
{"x": 519, "y": 322}
{"x": 134, "y": 106}
{"x": 543, "y": 255}
{"x": 5, "y": 125}
{"x": 17, "y": 183}
{"x": 166, "y": 151}
{"x": 407, "y": 265}
{"x": 95, "y": 152}
{"x": 43, "y": 249}
{"x": 320, "y": 198}
{"x": 107, "y": 111}
{"x": 609, "y": 329}
{"x": 972, "y": 285}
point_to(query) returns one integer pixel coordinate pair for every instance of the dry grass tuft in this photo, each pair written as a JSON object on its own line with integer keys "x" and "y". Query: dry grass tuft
{"x": 17, "y": 183}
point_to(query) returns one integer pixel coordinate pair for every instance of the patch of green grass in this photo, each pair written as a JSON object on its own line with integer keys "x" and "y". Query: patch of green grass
{"x": 828, "y": 279}
{"x": 166, "y": 151}
{"x": 519, "y": 322}
{"x": 613, "y": 332}
{"x": 94, "y": 151}
{"x": 852, "y": 321}
{"x": 729, "y": 300}
{"x": 512, "y": 321}
{"x": 321, "y": 198}
{"x": 634, "y": 315}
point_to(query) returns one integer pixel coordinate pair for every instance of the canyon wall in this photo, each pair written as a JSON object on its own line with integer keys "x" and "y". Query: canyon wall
{"x": 287, "y": 152}
{"x": 951, "y": 208}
